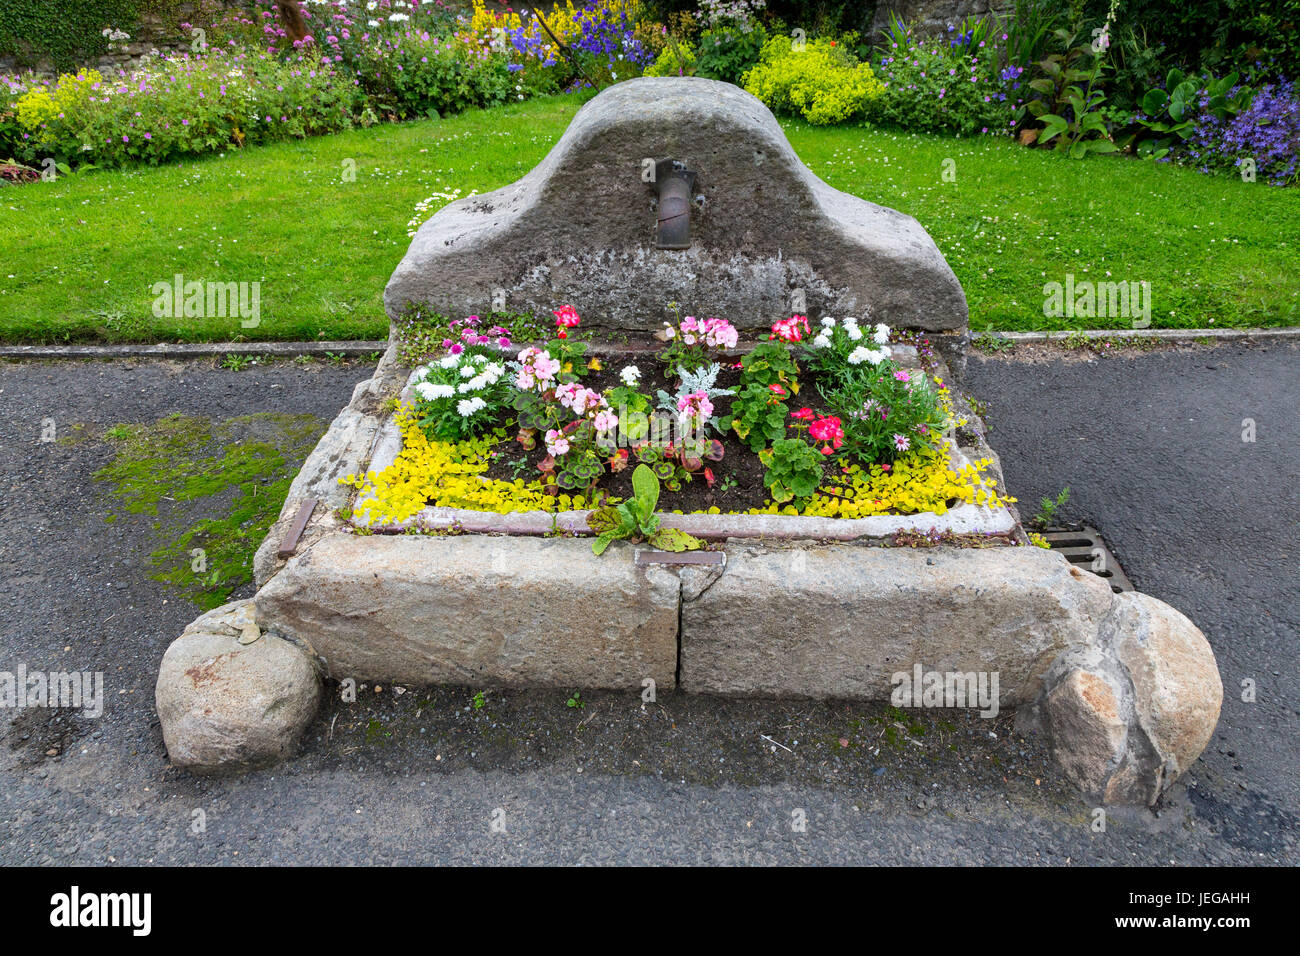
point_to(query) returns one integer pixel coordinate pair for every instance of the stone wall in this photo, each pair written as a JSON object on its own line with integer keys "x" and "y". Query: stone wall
{"x": 933, "y": 17}
{"x": 151, "y": 33}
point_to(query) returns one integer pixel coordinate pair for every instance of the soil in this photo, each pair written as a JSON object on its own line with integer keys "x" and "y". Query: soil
{"x": 738, "y": 477}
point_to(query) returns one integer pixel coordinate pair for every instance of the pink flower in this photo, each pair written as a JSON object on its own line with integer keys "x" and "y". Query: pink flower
{"x": 566, "y": 316}
{"x": 792, "y": 329}
{"x": 902, "y": 376}
{"x": 605, "y": 421}
{"x": 902, "y": 442}
{"x": 556, "y": 443}
{"x": 694, "y": 408}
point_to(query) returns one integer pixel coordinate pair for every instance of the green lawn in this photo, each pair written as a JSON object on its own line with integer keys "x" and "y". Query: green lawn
{"x": 78, "y": 257}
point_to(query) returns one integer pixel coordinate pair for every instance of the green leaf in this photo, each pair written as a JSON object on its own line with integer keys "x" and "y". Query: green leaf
{"x": 779, "y": 492}
{"x": 603, "y": 520}
{"x": 1154, "y": 103}
{"x": 599, "y": 545}
{"x": 1102, "y": 146}
{"x": 646, "y": 487}
{"x": 674, "y": 539}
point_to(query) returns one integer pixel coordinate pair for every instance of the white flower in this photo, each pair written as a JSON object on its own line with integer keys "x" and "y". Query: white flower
{"x": 467, "y": 371}
{"x": 494, "y": 372}
{"x": 630, "y": 375}
{"x": 858, "y": 354}
{"x": 372, "y": 4}
{"x": 468, "y": 406}
{"x": 876, "y": 357}
{"x": 478, "y": 359}
{"x": 882, "y": 334}
{"x": 431, "y": 391}
{"x": 885, "y": 351}
{"x": 855, "y": 333}
{"x": 828, "y": 322}
{"x": 372, "y": 23}
{"x": 397, "y": 17}
{"x": 449, "y": 361}
{"x": 822, "y": 340}
{"x": 421, "y": 374}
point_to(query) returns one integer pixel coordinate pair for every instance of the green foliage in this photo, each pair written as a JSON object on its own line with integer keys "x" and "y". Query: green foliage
{"x": 185, "y": 108}
{"x": 794, "y": 470}
{"x": 1049, "y": 508}
{"x": 636, "y": 519}
{"x": 874, "y": 405}
{"x": 758, "y": 416}
{"x": 770, "y": 363}
{"x": 66, "y": 33}
{"x": 1070, "y": 99}
{"x": 728, "y": 52}
{"x": 431, "y": 76}
{"x": 1171, "y": 113}
{"x": 675, "y": 59}
{"x": 942, "y": 84}
{"x": 819, "y": 80}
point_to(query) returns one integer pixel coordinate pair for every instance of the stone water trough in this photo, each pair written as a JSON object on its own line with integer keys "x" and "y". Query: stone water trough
{"x": 1124, "y": 686}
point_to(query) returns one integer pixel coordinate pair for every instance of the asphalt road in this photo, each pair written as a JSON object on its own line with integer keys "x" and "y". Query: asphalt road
{"x": 1150, "y": 446}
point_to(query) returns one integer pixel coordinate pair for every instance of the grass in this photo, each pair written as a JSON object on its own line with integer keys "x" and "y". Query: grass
{"x": 78, "y": 257}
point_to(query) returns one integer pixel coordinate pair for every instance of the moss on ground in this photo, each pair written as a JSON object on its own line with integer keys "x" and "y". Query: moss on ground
{"x": 236, "y": 473}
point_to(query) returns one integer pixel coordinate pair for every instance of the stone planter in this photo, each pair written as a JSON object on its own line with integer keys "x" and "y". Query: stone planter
{"x": 1125, "y": 686}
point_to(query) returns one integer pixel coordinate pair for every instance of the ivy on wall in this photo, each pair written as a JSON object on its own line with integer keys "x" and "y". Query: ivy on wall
{"x": 70, "y": 32}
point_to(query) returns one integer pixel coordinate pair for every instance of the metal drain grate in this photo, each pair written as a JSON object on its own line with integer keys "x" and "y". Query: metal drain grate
{"x": 1084, "y": 548}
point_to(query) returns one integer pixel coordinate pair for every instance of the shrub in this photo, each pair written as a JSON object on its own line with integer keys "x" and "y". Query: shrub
{"x": 179, "y": 106}
{"x": 727, "y": 53}
{"x": 416, "y": 74}
{"x": 819, "y": 80}
{"x": 675, "y": 59}
{"x": 886, "y": 411}
{"x": 1267, "y": 131}
{"x": 953, "y": 84}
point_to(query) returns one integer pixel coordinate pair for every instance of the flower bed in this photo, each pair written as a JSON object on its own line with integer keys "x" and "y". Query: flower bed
{"x": 840, "y": 424}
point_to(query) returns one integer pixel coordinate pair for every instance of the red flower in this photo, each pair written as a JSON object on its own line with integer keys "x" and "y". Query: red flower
{"x": 777, "y": 390}
{"x": 827, "y": 429}
{"x": 566, "y": 316}
{"x": 804, "y": 414}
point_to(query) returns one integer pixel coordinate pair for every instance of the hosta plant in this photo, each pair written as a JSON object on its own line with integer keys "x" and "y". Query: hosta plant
{"x": 635, "y": 519}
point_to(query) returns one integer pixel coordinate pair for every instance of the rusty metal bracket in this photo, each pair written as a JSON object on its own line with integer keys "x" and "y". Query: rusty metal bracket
{"x": 296, "y": 527}
{"x": 675, "y": 185}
